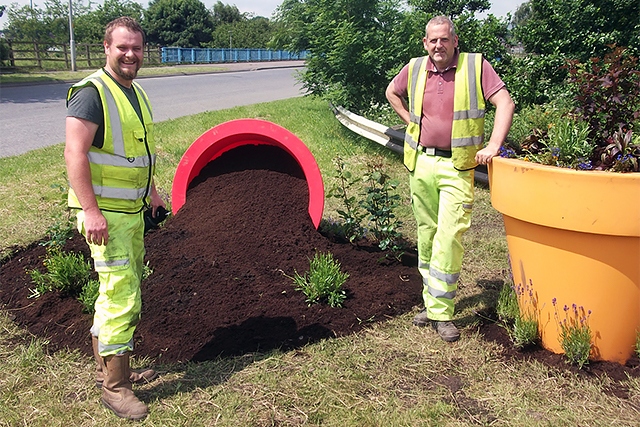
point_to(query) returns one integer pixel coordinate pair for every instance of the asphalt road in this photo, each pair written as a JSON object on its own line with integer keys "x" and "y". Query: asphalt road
{"x": 33, "y": 116}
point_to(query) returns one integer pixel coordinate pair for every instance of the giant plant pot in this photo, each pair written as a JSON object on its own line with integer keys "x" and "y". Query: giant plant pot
{"x": 574, "y": 236}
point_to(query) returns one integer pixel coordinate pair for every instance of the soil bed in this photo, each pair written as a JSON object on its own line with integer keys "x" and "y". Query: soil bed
{"x": 221, "y": 281}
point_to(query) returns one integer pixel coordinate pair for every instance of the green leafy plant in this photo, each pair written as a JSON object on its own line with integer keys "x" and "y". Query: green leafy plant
{"x": 66, "y": 272}
{"x": 507, "y": 305}
{"x": 380, "y": 201}
{"x": 351, "y": 213}
{"x": 323, "y": 281}
{"x": 575, "y": 333}
{"x": 637, "y": 346}
{"x": 89, "y": 295}
{"x": 597, "y": 131}
{"x": 513, "y": 309}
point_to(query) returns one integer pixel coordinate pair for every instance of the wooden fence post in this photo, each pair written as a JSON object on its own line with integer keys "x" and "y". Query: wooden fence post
{"x": 12, "y": 59}
{"x": 66, "y": 55}
{"x": 88, "y": 50}
{"x": 37, "y": 52}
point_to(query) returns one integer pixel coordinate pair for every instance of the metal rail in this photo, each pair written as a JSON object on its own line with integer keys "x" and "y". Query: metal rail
{"x": 390, "y": 138}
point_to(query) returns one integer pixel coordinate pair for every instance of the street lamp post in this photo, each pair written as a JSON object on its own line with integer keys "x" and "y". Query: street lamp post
{"x": 72, "y": 41}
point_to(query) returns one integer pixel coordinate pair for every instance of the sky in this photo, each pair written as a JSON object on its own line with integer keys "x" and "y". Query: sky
{"x": 267, "y": 7}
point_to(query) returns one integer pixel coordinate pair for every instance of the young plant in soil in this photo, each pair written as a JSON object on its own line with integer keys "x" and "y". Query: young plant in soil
{"x": 521, "y": 323}
{"x": 351, "y": 213}
{"x": 323, "y": 281}
{"x": 575, "y": 334}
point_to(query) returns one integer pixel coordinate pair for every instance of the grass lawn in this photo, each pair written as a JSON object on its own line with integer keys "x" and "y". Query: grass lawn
{"x": 392, "y": 374}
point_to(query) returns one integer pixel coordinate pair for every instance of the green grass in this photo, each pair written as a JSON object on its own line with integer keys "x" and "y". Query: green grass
{"x": 74, "y": 76}
{"x": 392, "y": 374}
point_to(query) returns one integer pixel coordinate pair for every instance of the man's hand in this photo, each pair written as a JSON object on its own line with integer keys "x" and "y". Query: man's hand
{"x": 95, "y": 227}
{"x": 156, "y": 200}
{"x": 484, "y": 156}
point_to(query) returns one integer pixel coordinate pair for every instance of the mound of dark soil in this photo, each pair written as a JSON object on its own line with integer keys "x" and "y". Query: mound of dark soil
{"x": 221, "y": 281}
{"x": 222, "y": 271}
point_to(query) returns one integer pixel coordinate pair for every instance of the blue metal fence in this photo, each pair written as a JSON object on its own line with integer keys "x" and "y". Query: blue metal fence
{"x": 205, "y": 56}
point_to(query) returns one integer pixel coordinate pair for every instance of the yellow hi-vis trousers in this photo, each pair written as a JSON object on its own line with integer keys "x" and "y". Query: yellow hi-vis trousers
{"x": 119, "y": 266}
{"x": 442, "y": 199}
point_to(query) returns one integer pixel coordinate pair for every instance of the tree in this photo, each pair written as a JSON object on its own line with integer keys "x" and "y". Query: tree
{"x": 226, "y": 14}
{"x": 357, "y": 46}
{"x": 353, "y": 45}
{"x": 47, "y": 26}
{"x": 450, "y": 8}
{"x": 291, "y": 21}
{"x": 182, "y": 23}
{"x": 245, "y": 34}
{"x": 580, "y": 29}
{"x": 89, "y": 28}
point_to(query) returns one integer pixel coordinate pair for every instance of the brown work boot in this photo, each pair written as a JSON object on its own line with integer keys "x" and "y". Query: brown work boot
{"x": 116, "y": 389}
{"x": 421, "y": 318}
{"x": 447, "y": 330}
{"x": 138, "y": 376}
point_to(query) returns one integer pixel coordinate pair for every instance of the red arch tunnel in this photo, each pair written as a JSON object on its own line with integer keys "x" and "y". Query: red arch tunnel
{"x": 236, "y": 133}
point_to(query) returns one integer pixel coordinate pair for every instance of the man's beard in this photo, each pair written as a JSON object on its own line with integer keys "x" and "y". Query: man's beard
{"x": 126, "y": 74}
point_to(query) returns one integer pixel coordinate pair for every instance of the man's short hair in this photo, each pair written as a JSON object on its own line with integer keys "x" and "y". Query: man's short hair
{"x": 124, "y": 21}
{"x": 440, "y": 20}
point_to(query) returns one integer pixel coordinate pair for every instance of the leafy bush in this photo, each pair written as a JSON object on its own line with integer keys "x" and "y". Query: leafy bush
{"x": 380, "y": 202}
{"x": 323, "y": 282}
{"x": 89, "y": 295}
{"x": 66, "y": 272}
{"x": 597, "y": 130}
{"x": 351, "y": 213}
{"x": 608, "y": 100}
{"x": 520, "y": 322}
{"x": 536, "y": 79}
{"x": 507, "y": 306}
{"x": 575, "y": 334}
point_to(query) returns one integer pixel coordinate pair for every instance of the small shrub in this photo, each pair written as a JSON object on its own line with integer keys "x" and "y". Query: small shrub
{"x": 323, "y": 282}
{"x": 525, "y": 331}
{"x": 513, "y": 310}
{"x": 575, "y": 334}
{"x": 507, "y": 305}
{"x": 66, "y": 272}
{"x": 380, "y": 202}
{"x": 351, "y": 213}
{"x": 637, "y": 347}
{"x": 89, "y": 295}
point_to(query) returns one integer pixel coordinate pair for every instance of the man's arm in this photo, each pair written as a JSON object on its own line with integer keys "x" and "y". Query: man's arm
{"x": 79, "y": 137}
{"x": 502, "y": 122}
{"x": 397, "y": 102}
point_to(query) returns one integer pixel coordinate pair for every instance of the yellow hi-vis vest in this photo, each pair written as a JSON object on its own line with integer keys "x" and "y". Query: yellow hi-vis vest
{"x": 467, "y": 133}
{"x": 122, "y": 170}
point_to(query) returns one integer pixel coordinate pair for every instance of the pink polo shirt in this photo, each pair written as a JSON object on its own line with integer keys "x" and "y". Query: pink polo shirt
{"x": 437, "y": 105}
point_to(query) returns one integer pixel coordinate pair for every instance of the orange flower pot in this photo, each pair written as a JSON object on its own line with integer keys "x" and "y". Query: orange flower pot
{"x": 574, "y": 236}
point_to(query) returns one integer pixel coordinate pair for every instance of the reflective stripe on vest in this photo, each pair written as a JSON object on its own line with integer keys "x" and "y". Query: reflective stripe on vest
{"x": 121, "y": 170}
{"x": 468, "y": 115}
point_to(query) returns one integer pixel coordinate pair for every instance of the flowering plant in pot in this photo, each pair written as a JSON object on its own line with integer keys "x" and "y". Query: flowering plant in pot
{"x": 599, "y": 129}
{"x": 571, "y": 213}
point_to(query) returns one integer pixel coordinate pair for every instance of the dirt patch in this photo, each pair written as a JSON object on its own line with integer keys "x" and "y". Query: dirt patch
{"x": 220, "y": 282}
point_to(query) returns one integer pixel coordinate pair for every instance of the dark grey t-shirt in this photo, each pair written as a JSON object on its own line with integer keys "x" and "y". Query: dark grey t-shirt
{"x": 85, "y": 104}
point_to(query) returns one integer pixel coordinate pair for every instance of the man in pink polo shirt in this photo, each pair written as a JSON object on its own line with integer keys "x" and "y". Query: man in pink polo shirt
{"x": 444, "y": 142}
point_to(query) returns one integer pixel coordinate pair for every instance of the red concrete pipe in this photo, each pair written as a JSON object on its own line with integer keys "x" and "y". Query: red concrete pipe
{"x": 245, "y": 132}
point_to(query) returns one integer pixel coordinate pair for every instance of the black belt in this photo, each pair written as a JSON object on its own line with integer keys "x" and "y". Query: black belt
{"x": 432, "y": 151}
